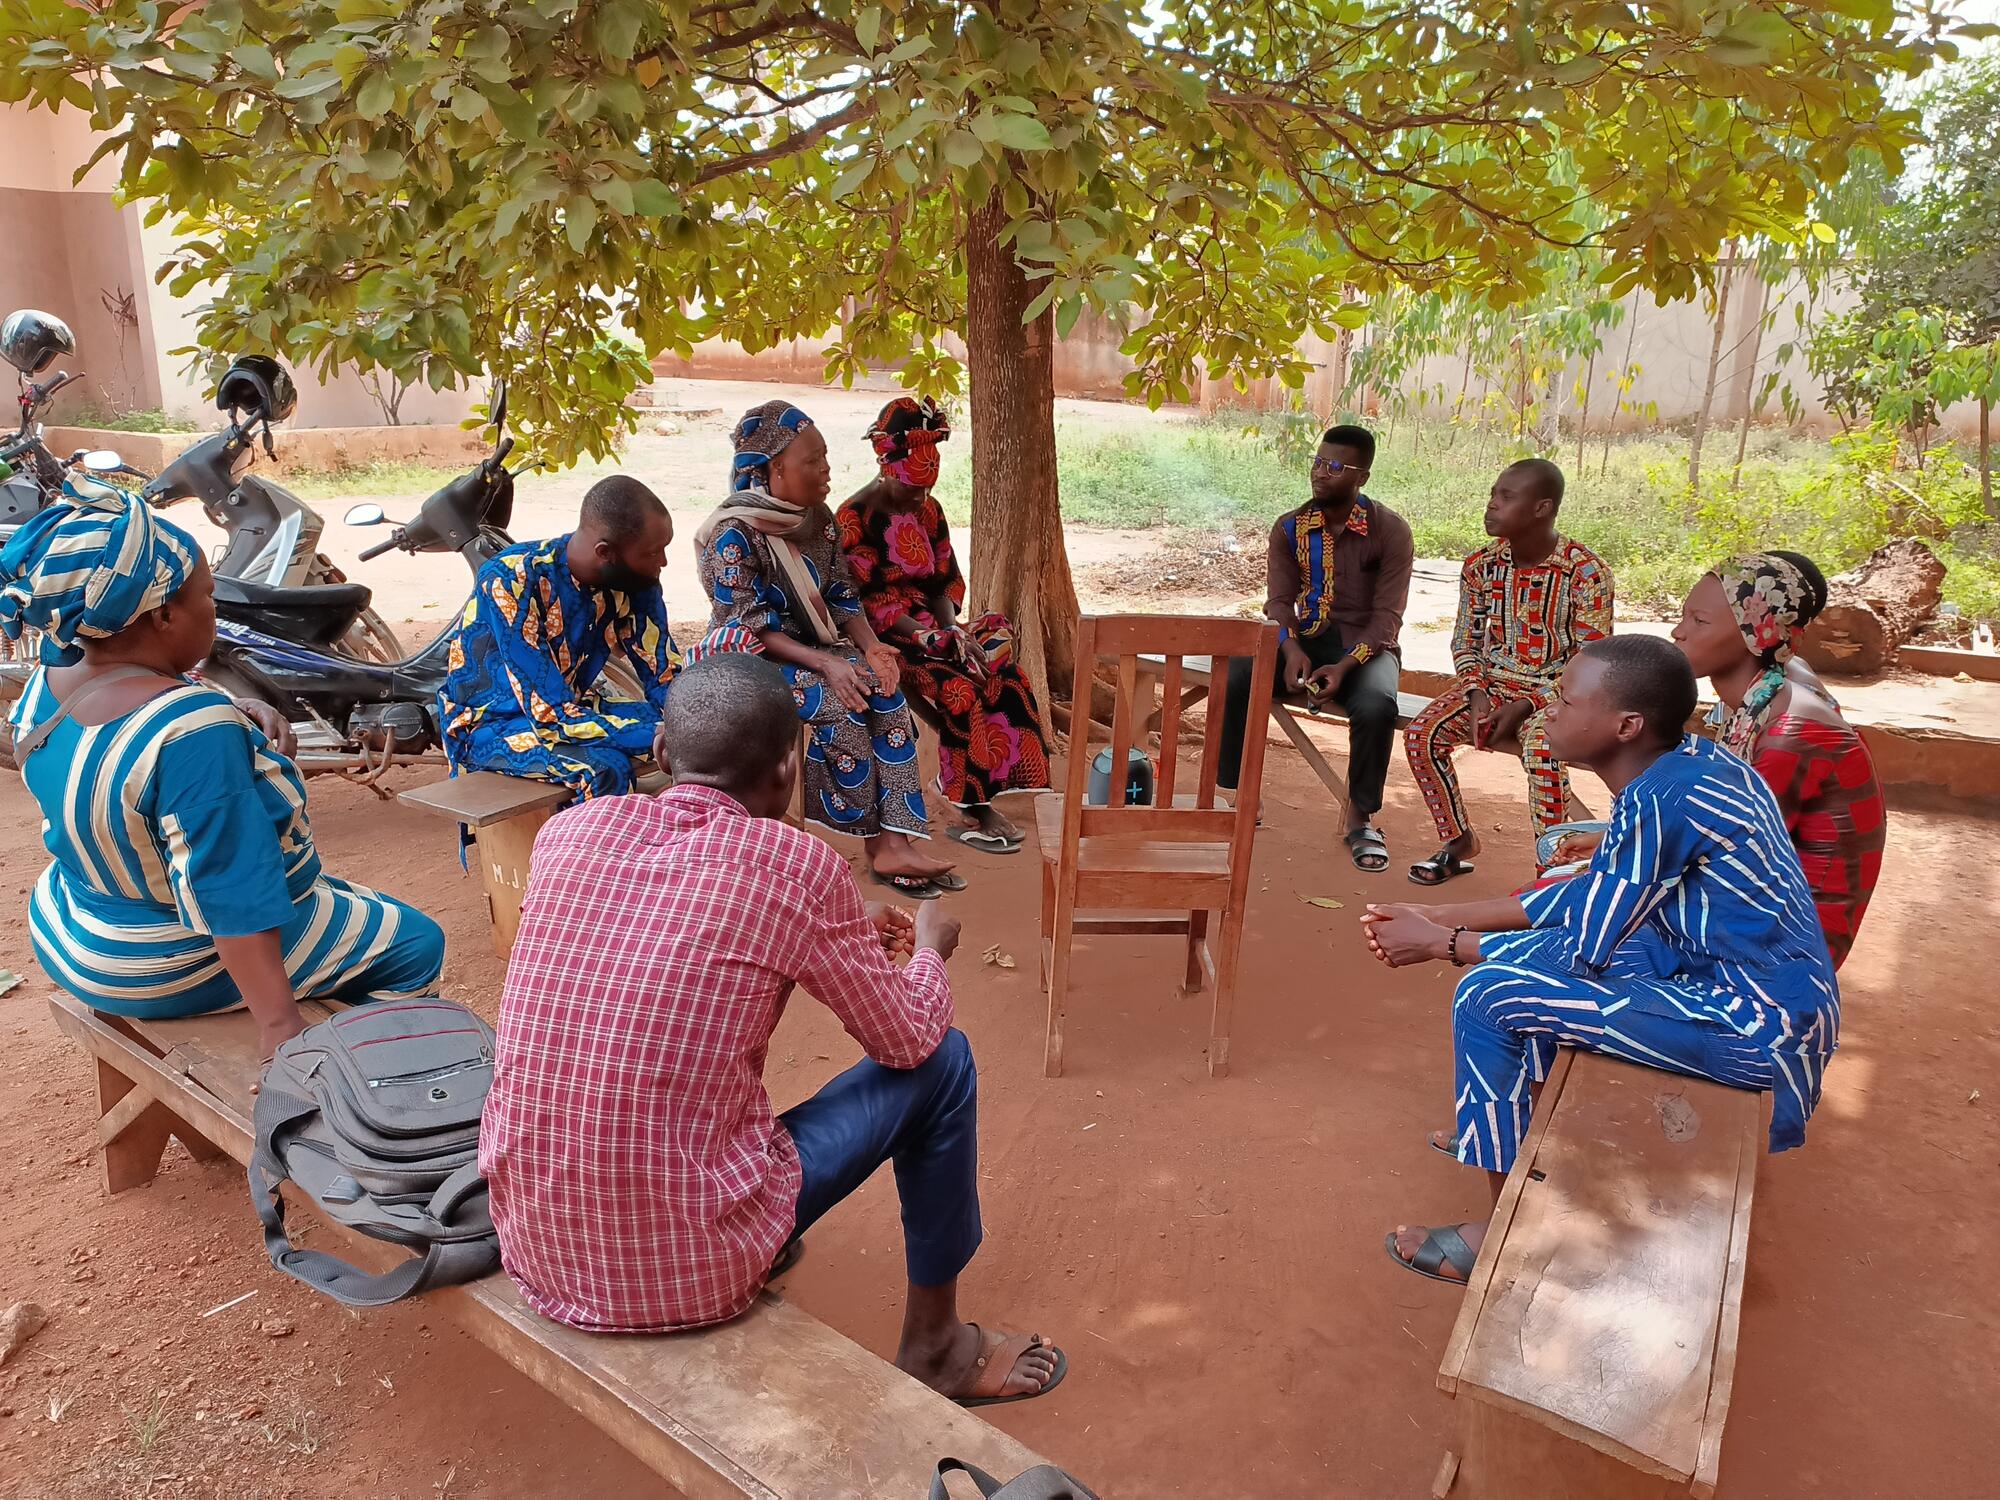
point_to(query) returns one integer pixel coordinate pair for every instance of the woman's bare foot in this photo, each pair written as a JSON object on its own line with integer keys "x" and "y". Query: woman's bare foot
{"x": 951, "y": 1366}
{"x": 1410, "y": 1239}
{"x": 897, "y": 854}
{"x": 1445, "y": 1141}
{"x": 987, "y": 818}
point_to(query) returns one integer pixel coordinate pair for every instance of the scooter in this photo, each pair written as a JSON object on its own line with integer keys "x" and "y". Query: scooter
{"x": 283, "y": 644}
{"x": 272, "y": 534}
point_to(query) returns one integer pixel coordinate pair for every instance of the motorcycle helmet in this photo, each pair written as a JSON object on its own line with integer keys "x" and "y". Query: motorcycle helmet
{"x": 258, "y": 383}
{"x": 31, "y": 341}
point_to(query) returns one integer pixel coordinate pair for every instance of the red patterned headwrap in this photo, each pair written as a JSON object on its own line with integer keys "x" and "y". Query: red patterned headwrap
{"x": 905, "y": 437}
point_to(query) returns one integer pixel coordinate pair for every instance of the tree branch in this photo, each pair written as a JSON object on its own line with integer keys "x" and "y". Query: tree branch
{"x": 804, "y": 140}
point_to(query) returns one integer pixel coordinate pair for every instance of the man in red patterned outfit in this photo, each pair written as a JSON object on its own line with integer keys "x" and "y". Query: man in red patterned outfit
{"x": 640, "y": 1179}
{"x": 1526, "y": 602}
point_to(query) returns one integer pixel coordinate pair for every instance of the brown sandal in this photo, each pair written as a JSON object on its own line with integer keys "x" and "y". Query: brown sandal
{"x": 998, "y": 1354}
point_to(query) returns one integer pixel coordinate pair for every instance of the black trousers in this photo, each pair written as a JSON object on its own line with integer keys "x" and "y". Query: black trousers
{"x": 1367, "y": 696}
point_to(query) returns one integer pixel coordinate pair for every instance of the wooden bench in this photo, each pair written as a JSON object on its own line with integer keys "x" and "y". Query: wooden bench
{"x": 504, "y": 813}
{"x": 772, "y": 1405}
{"x": 1595, "y": 1352}
{"x": 1286, "y": 712}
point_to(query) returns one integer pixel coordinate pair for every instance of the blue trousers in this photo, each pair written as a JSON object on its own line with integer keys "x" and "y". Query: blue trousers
{"x": 925, "y": 1120}
{"x": 1510, "y": 1014}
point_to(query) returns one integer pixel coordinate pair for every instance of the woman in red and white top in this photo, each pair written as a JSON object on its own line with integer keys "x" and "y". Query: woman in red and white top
{"x": 1740, "y": 628}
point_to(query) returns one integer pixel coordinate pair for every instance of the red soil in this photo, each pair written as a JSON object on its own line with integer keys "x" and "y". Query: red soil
{"x": 1209, "y": 1252}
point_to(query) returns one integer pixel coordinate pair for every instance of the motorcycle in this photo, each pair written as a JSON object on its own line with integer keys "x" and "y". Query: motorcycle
{"x": 272, "y": 536}
{"x": 284, "y": 644}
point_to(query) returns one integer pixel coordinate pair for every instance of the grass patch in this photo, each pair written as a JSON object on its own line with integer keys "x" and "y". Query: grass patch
{"x": 1833, "y": 501}
{"x": 98, "y": 419}
{"x": 404, "y": 479}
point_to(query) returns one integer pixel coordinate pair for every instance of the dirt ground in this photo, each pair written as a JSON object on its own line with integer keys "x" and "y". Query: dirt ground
{"x": 1210, "y": 1253}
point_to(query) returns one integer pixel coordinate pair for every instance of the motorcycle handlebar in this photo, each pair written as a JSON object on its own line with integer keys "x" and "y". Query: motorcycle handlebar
{"x": 380, "y": 547}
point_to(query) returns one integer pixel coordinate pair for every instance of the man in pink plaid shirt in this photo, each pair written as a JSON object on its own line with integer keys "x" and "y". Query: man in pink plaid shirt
{"x": 639, "y": 1178}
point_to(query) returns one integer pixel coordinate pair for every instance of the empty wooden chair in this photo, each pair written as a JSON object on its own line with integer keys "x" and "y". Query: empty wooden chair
{"x": 1183, "y": 855}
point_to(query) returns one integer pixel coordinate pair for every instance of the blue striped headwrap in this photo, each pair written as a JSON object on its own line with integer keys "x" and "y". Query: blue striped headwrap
{"x": 764, "y": 433}
{"x": 88, "y": 566}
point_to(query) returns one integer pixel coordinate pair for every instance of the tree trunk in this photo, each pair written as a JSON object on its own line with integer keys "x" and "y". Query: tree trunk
{"x": 1019, "y": 565}
{"x": 1986, "y": 455}
{"x": 1872, "y": 610}
{"x": 1583, "y": 409}
{"x": 1722, "y": 290}
{"x": 1750, "y": 402}
{"x": 1625, "y": 379}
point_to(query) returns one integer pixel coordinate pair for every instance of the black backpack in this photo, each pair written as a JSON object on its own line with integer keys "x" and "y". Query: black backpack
{"x": 374, "y": 1113}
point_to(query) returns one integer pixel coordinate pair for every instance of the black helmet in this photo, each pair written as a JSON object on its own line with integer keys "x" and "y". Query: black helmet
{"x": 258, "y": 383}
{"x": 31, "y": 341}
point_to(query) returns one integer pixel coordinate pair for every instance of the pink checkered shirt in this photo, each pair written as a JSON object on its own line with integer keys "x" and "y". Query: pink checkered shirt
{"x": 639, "y": 1178}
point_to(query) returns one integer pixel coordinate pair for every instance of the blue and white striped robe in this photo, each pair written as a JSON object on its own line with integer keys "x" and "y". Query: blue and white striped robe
{"x": 1690, "y": 943}
{"x": 174, "y": 825}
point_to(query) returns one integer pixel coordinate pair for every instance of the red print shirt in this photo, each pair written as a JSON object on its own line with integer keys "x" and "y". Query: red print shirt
{"x": 640, "y": 1180}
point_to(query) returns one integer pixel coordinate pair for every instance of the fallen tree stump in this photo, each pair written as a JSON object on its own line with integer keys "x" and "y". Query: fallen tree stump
{"x": 1873, "y": 609}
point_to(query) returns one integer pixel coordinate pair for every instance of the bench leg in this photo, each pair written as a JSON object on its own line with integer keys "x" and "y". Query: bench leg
{"x": 1336, "y": 785}
{"x": 1227, "y": 948}
{"x": 1062, "y": 935}
{"x": 132, "y": 1128}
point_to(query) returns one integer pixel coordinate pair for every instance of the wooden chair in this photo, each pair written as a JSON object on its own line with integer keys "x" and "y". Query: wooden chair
{"x": 1184, "y": 854}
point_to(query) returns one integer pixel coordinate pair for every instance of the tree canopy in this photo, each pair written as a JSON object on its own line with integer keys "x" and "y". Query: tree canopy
{"x": 452, "y": 187}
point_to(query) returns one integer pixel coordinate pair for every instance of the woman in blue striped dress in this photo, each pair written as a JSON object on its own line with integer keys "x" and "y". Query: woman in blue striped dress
{"x": 1691, "y": 943}
{"x": 183, "y": 876}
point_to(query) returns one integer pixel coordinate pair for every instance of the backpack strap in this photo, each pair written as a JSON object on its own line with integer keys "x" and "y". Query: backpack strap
{"x": 443, "y": 1264}
{"x": 1043, "y": 1482}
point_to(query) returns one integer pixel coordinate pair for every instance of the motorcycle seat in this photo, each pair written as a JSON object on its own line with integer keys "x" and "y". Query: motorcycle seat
{"x": 318, "y": 615}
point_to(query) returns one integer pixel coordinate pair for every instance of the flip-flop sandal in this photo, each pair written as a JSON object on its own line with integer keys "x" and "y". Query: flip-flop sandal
{"x": 1442, "y": 1246}
{"x": 979, "y": 838}
{"x": 1440, "y": 867}
{"x": 795, "y": 1249}
{"x": 916, "y": 887}
{"x": 951, "y": 880}
{"x": 999, "y": 1353}
{"x": 1368, "y": 844}
{"x": 1451, "y": 1151}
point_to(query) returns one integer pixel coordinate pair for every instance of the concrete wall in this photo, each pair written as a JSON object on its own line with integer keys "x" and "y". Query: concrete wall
{"x": 66, "y": 246}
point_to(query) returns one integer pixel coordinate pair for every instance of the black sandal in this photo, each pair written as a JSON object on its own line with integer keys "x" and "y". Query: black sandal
{"x": 916, "y": 887}
{"x": 1368, "y": 849}
{"x": 1440, "y": 867}
{"x": 1442, "y": 1246}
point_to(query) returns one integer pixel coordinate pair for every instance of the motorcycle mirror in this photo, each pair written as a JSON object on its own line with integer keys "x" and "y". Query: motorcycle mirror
{"x": 364, "y": 515}
{"x": 102, "y": 461}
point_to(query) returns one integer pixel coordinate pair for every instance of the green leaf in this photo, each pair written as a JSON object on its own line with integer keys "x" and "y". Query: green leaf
{"x": 257, "y": 62}
{"x": 654, "y": 198}
{"x": 579, "y": 220}
{"x": 1022, "y": 133}
{"x": 615, "y": 193}
{"x": 383, "y": 163}
{"x": 615, "y": 29}
{"x": 962, "y": 148}
{"x": 868, "y": 28}
{"x": 853, "y": 177}
{"x": 376, "y": 94}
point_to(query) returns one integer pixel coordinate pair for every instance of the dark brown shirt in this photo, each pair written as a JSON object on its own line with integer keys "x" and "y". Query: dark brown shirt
{"x": 1355, "y": 581}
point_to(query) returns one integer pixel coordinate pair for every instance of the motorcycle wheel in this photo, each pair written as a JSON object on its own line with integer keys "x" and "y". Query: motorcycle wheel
{"x": 370, "y": 639}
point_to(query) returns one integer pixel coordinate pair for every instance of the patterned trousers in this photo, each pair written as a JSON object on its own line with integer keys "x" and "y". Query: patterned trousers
{"x": 1446, "y": 726}
{"x": 1512, "y": 1012}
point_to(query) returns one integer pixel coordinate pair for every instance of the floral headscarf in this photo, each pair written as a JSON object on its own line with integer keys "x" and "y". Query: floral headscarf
{"x": 905, "y": 437}
{"x": 1768, "y": 595}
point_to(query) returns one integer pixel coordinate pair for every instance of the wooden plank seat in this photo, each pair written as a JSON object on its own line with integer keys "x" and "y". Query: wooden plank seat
{"x": 504, "y": 813}
{"x": 774, "y": 1404}
{"x": 1595, "y": 1350}
{"x": 1196, "y": 672}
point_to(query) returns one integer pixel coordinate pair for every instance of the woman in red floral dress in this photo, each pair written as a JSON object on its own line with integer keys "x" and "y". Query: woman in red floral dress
{"x": 899, "y": 550}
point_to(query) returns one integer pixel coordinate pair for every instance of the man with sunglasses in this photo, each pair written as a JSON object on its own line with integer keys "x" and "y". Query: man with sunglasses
{"x": 1339, "y": 578}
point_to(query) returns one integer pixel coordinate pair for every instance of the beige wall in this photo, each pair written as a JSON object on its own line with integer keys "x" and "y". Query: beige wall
{"x": 67, "y": 246}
